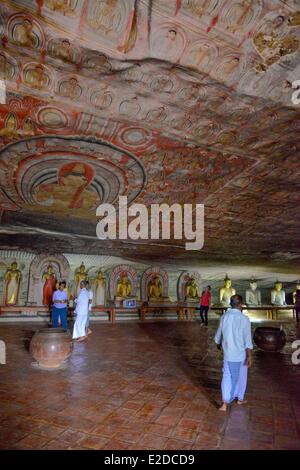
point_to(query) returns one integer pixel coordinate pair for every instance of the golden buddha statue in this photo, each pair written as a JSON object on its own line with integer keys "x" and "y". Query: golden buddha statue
{"x": 12, "y": 280}
{"x": 124, "y": 287}
{"x": 226, "y": 292}
{"x": 192, "y": 290}
{"x": 81, "y": 275}
{"x": 155, "y": 289}
{"x": 294, "y": 292}
{"x": 278, "y": 294}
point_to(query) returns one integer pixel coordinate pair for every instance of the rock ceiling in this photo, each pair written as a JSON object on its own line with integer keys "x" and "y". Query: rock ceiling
{"x": 160, "y": 100}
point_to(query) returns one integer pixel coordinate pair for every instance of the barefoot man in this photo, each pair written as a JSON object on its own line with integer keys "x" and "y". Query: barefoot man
{"x": 91, "y": 295}
{"x": 234, "y": 333}
{"x": 82, "y": 310}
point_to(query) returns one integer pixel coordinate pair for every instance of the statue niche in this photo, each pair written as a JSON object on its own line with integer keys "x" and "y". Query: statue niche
{"x": 44, "y": 273}
{"x": 49, "y": 285}
{"x": 192, "y": 293}
{"x": 124, "y": 287}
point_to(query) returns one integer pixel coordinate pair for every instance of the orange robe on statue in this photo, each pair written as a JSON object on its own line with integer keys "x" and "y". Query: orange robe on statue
{"x": 48, "y": 289}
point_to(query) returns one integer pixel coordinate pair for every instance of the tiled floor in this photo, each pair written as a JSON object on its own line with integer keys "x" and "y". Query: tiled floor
{"x": 152, "y": 385}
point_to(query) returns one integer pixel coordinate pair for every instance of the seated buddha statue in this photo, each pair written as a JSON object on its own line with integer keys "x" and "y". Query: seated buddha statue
{"x": 278, "y": 294}
{"x": 253, "y": 295}
{"x": 226, "y": 292}
{"x": 192, "y": 291}
{"x": 124, "y": 287}
{"x": 155, "y": 290}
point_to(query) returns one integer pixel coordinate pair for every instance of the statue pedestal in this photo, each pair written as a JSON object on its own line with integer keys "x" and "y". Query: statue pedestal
{"x": 192, "y": 300}
{"x": 158, "y": 300}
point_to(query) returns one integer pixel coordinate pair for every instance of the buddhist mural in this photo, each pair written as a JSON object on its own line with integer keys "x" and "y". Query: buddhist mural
{"x": 66, "y": 181}
{"x": 186, "y": 101}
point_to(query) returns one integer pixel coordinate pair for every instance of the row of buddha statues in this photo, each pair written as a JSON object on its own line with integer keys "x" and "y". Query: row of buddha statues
{"x": 124, "y": 288}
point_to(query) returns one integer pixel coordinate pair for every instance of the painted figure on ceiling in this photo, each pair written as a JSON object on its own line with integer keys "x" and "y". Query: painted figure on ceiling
{"x": 63, "y": 50}
{"x": 12, "y": 280}
{"x": 35, "y": 77}
{"x": 63, "y": 6}
{"x": 24, "y": 35}
{"x": 9, "y": 130}
{"x": 169, "y": 45}
{"x": 130, "y": 107}
{"x": 28, "y": 128}
{"x": 70, "y": 89}
{"x": 197, "y": 7}
{"x": 239, "y": 14}
{"x": 294, "y": 19}
{"x": 156, "y": 115}
{"x": 71, "y": 192}
{"x": 49, "y": 287}
{"x": 106, "y": 16}
{"x": 272, "y": 42}
{"x": 101, "y": 98}
{"x": 6, "y": 68}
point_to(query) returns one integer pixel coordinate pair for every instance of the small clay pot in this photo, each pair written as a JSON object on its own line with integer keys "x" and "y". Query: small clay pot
{"x": 269, "y": 338}
{"x": 50, "y": 347}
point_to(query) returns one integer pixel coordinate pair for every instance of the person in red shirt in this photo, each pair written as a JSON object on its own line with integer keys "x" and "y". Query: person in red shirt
{"x": 205, "y": 302}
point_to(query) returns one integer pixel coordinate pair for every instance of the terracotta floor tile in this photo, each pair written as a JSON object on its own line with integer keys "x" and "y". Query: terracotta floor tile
{"x": 33, "y": 441}
{"x": 154, "y": 392}
{"x": 93, "y": 442}
{"x": 177, "y": 444}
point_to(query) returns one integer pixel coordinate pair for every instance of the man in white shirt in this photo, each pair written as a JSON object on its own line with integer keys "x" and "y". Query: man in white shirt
{"x": 234, "y": 333}
{"x": 91, "y": 296}
{"x": 82, "y": 309}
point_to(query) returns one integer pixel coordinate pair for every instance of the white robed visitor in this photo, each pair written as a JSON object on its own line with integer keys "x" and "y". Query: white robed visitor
{"x": 81, "y": 311}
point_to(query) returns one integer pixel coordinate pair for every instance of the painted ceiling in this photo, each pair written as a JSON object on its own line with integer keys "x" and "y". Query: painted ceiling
{"x": 185, "y": 101}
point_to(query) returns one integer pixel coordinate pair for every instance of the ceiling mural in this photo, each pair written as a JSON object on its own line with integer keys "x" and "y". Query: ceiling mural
{"x": 183, "y": 101}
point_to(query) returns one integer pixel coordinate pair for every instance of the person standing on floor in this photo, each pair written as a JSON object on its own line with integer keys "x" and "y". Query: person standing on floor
{"x": 59, "y": 308}
{"x": 205, "y": 302}
{"x": 91, "y": 296}
{"x": 81, "y": 311}
{"x": 234, "y": 334}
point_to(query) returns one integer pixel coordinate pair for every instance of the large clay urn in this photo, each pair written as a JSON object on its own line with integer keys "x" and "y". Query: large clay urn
{"x": 269, "y": 338}
{"x": 50, "y": 347}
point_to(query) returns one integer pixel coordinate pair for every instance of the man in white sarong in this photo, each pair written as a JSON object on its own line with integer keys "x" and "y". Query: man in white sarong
{"x": 234, "y": 333}
{"x": 82, "y": 310}
{"x": 91, "y": 295}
